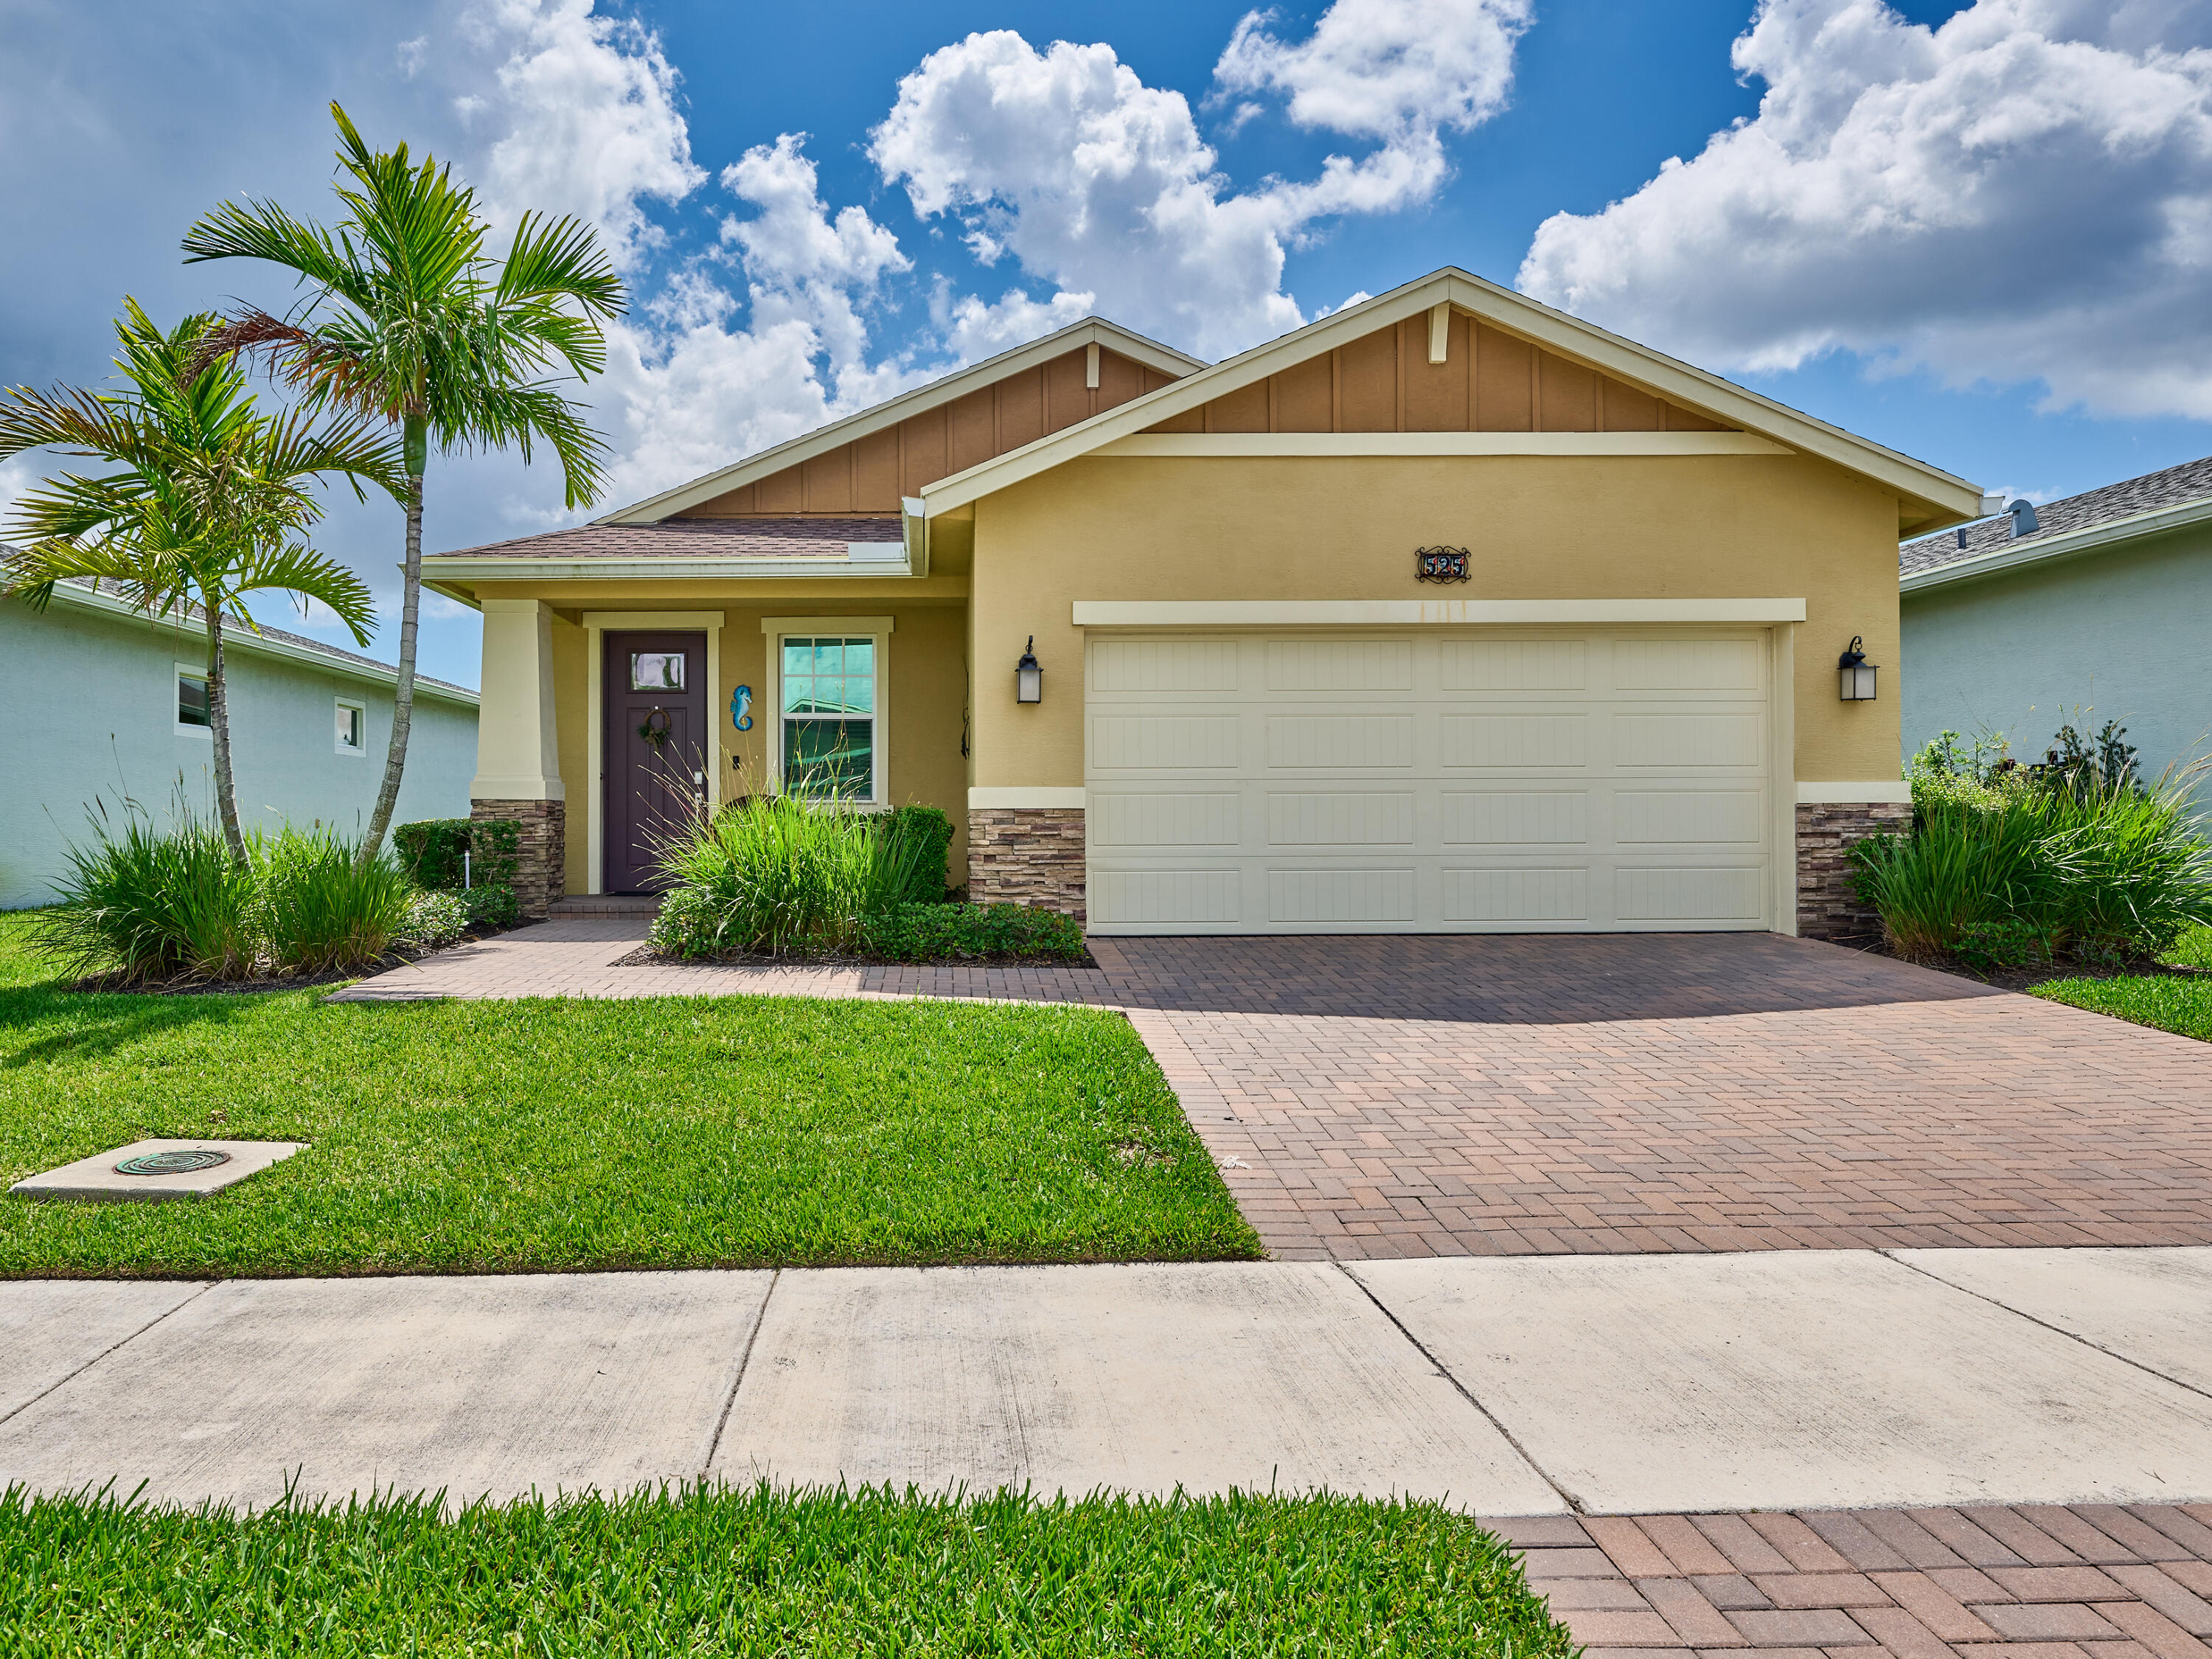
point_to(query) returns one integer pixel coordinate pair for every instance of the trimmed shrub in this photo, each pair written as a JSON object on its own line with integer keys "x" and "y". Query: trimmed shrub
{"x": 491, "y": 908}
{"x": 430, "y": 851}
{"x": 931, "y": 831}
{"x": 435, "y": 919}
{"x": 972, "y": 933}
{"x": 318, "y": 907}
{"x": 773, "y": 874}
{"x": 152, "y": 906}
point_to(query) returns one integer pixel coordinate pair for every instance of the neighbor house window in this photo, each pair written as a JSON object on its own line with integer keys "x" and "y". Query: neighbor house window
{"x": 192, "y": 699}
{"x": 353, "y": 727}
{"x": 828, "y": 683}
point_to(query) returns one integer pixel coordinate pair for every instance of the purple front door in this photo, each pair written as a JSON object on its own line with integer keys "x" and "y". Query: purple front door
{"x": 655, "y": 745}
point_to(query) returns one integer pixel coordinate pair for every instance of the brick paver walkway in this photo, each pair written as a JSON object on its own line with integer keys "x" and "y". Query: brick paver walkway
{"x": 577, "y": 958}
{"x": 2091, "y": 1582}
{"x": 1371, "y": 1097}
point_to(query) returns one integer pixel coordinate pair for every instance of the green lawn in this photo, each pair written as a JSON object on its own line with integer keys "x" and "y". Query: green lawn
{"x": 678, "y": 1132}
{"x": 751, "y": 1571}
{"x": 2171, "y": 1005}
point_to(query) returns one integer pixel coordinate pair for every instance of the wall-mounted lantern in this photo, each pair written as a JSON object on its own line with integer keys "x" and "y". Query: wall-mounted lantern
{"x": 1029, "y": 676}
{"x": 1855, "y": 674}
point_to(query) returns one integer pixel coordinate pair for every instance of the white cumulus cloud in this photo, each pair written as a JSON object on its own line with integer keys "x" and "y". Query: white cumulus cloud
{"x": 1102, "y": 185}
{"x": 587, "y": 111}
{"x": 2023, "y": 193}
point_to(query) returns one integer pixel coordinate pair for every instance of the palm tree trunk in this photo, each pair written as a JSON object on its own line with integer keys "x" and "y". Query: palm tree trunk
{"x": 226, "y": 792}
{"x": 403, "y": 694}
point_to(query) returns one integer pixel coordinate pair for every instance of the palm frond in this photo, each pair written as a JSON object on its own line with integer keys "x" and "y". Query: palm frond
{"x": 300, "y": 570}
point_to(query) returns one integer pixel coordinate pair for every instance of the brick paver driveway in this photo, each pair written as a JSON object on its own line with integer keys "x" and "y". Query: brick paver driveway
{"x": 1517, "y": 1095}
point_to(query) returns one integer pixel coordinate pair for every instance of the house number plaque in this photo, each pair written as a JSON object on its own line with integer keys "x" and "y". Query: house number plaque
{"x": 1441, "y": 564}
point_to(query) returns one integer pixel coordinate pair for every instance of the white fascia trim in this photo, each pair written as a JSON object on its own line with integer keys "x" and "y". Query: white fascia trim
{"x": 574, "y": 570}
{"x": 1882, "y": 792}
{"x": 1623, "y": 359}
{"x": 1092, "y": 331}
{"x": 238, "y": 637}
{"x": 1015, "y": 797}
{"x": 1154, "y": 445}
{"x": 1400, "y": 613}
{"x": 2036, "y": 549}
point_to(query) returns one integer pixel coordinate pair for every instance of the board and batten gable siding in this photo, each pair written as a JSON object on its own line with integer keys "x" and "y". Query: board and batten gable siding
{"x": 2118, "y": 633}
{"x": 1548, "y": 527}
{"x": 91, "y": 714}
{"x": 872, "y": 473}
{"x": 1489, "y": 381}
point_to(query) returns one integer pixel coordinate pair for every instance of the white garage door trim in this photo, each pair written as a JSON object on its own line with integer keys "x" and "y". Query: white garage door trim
{"x": 1440, "y": 779}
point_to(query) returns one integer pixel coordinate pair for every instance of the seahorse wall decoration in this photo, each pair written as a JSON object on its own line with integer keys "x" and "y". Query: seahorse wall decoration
{"x": 741, "y": 705}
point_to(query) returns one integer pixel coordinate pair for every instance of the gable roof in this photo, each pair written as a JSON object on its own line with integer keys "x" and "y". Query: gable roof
{"x": 2165, "y": 499}
{"x": 1092, "y": 330}
{"x": 276, "y": 642}
{"x": 1927, "y": 495}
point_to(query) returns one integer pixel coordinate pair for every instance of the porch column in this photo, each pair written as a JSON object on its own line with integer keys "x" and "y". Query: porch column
{"x": 518, "y": 754}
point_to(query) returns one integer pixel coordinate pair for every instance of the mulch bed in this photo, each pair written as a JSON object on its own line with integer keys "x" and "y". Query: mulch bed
{"x": 646, "y": 957}
{"x": 112, "y": 984}
{"x": 2022, "y": 979}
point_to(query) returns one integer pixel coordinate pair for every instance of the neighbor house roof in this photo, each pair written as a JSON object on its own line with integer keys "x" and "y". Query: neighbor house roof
{"x": 274, "y": 642}
{"x": 2156, "y": 501}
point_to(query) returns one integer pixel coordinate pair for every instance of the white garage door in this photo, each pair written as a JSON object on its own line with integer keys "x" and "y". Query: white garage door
{"x": 1492, "y": 780}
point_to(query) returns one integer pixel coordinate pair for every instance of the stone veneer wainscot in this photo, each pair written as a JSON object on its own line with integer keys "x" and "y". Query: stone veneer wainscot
{"x": 1828, "y": 904}
{"x": 540, "y": 875}
{"x": 1027, "y": 855}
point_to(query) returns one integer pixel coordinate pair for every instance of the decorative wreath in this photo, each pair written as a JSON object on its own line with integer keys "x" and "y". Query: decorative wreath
{"x": 655, "y": 735}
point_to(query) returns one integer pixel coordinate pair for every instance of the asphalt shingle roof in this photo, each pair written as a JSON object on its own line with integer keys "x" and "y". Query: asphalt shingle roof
{"x": 2189, "y": 481}
{"x": 197, "y": 617}
{"x": 695, "y": 538}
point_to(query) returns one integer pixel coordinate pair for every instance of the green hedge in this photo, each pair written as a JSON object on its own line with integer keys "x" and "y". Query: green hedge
{"x": 430, "y": 852}
{"x": 931, "y": 830}
{"x": 969, "y": 932}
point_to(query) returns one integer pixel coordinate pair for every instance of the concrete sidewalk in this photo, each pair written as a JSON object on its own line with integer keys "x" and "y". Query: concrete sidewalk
{"x": 1805, "y": 1380}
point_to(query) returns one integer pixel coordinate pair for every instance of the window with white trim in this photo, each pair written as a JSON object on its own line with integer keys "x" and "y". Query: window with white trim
{"x": 194, "y": 715}
{"x": 352, "y": 727}
{"x": 827, "y": 685}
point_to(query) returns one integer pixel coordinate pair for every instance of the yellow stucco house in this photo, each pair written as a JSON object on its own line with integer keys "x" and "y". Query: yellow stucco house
{"x": 1448, "y": 612}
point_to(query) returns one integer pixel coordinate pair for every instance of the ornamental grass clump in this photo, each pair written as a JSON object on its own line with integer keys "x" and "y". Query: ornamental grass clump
{"x": 158, "y": 905}
{"x": 2011, "y": 866}
{"x": 320, "y": 905}
{"x": 776, "y": 873}
{"x": 150, "y": 906}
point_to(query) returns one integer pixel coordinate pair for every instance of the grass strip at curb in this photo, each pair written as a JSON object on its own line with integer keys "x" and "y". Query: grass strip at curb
{"x": 2183, "y": 1006}
{"x": 576, "y": 1135}
{"x": 721, "y": 1570}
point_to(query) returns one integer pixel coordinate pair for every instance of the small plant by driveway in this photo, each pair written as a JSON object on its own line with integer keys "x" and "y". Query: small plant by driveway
{"x": 463, "y": 1137}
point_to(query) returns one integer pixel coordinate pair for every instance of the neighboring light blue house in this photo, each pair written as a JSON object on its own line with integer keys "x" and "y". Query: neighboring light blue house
{"x": 103, "y": 703}
{"x": 2099, "y": 602}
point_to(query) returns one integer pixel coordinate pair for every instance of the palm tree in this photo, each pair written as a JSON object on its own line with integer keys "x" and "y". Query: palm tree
{"x": 411, "y": 324}
{"x": 204, "y": 507}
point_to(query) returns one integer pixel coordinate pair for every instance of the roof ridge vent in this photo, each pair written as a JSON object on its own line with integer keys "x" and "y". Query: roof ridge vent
{"x": 2023, "y": 518}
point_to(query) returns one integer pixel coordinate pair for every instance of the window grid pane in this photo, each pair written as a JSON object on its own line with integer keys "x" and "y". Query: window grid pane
{"x": 828, "y": 729}
{"x": 192, "y": 700}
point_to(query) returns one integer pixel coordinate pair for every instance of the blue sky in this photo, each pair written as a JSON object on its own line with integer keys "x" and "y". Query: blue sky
{"x": 1980, "y": 234}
